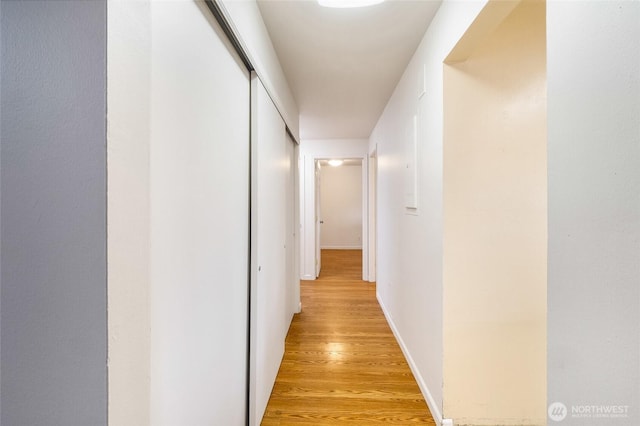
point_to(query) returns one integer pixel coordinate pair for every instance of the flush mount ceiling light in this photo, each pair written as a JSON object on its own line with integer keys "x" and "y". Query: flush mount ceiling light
{"x": 335, "y": 163}
{"x": 348, "y": 3}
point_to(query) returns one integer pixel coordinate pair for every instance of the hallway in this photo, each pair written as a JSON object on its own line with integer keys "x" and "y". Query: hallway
{"x": 342, "y": 364}
{"x": 160, "y": 203}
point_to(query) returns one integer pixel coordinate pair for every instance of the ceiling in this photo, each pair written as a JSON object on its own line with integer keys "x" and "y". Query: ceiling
{"x": 342, "y": 65}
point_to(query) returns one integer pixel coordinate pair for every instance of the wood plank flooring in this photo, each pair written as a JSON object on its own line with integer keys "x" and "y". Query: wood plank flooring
{"x": 342, "y": 364}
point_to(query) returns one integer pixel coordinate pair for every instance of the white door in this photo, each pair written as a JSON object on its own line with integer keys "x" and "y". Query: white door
{"x": 271, "y": 188}
{"x": 199, "y": 158}
{"x": 293, "y": 220}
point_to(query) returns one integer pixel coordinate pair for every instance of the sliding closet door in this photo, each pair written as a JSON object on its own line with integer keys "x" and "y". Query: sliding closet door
{"x": 293, "y": 225}
{"x": 270, "y": 301}
{"x": 200, "y": 112}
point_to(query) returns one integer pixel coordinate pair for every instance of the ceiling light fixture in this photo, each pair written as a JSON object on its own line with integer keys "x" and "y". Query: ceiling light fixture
{"x": 335, "y": 163}
{"x": 348, "y": 3}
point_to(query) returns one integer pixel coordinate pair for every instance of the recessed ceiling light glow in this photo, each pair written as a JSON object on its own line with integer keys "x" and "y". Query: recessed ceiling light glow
{"x": 335, "y": 163}
{"x": 348, "y": 3}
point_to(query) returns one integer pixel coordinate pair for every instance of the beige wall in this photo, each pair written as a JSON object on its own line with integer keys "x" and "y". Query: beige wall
{"x": 495, "y": 202}
{"x": 341, "y": 205}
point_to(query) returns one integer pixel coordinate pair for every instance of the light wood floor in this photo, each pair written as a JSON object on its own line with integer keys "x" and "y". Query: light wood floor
{"x": 342, "y": 364}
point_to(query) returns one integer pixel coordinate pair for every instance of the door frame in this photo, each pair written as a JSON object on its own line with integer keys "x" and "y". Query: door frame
{"x": 308, "y": 209}
{"x": 372, "y": 183}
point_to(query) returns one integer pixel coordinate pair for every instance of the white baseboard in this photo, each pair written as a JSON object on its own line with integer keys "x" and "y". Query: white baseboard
{"x": 308, "y": 277}
{"x": 435, "y": 410}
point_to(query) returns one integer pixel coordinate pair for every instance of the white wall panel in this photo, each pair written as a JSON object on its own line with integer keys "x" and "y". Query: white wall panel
{"x": 593, "y": 69}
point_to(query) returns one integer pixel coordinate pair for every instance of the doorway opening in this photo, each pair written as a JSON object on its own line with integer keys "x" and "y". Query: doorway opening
{"x": 340, "y": 216}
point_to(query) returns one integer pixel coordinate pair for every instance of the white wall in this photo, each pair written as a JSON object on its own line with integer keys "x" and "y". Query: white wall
{"x": 271, "y": 187}
{"x": 128, "y": 145}
{"x": 199, "y": 158}
{"x": 594, "y": 207}
{"x": 310, "y": 150}
{"x": 409, "y": 281}
{"x": 341, "y": 207}
{"x": 251, "y": 31}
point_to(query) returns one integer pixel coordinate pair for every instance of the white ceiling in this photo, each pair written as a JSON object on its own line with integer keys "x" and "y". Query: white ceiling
{"x": 343, "y": 64}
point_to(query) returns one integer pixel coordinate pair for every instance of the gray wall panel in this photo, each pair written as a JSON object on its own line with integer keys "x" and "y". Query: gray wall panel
{"x": 53, "y": 211}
